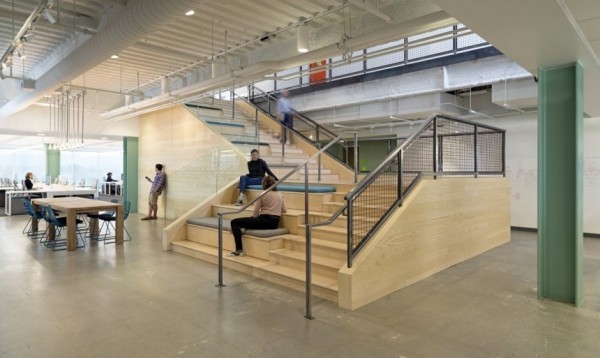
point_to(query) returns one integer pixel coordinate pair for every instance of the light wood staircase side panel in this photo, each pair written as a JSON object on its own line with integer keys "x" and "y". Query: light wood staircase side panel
{"x": 442, "y": 223}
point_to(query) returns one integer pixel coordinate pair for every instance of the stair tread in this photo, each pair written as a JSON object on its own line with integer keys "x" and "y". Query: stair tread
{"x": 301, "y": 256}
{"x": 300, "y": 275}
{"x": 247, "y": 260}
{"x": 265, "y": 265}
{"x": 317, "y": 241}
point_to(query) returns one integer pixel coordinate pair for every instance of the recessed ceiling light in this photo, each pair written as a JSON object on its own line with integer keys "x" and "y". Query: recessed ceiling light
{"x": 190, "y": 13}
{"x": 41, "y": 134}
{"x": 103, "y": 138}
{"x": 114, "y": 57}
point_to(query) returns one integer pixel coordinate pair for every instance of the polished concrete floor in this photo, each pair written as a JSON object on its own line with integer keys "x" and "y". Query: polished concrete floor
{"x": 136, "y": 300}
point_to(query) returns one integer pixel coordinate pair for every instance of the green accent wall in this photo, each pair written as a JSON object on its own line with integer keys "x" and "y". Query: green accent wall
{"x": 560, "y": 183}
{"x": 130, "y": 171}
{"x": 52, "y": 163}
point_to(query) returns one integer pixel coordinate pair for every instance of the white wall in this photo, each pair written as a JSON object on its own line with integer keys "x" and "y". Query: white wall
{"x": 521, "y": 168}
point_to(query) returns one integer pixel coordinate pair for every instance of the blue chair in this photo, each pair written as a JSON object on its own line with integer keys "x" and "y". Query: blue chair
{"x": 59, "y": 224}
{"x": 33, "y": 214}
{"x": 108, "y": 222}
{"x": 96, "y": 216}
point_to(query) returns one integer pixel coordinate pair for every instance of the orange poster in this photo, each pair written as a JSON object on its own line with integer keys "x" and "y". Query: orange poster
{"x": 319, "y": 73}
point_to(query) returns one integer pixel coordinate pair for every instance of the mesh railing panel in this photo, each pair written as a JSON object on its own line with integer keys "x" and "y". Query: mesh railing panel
{"x": 373, "y": 202}
{"x": 455, "y": 145}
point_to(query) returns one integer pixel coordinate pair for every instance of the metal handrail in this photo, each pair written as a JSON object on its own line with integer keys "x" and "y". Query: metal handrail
{"x": 319, "y": 129}
{"x": 244, "y": 207}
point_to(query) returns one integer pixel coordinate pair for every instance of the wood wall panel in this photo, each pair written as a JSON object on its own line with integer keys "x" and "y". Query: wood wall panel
{"x": 175, "y": 138}
{"x": 444, "y": 222}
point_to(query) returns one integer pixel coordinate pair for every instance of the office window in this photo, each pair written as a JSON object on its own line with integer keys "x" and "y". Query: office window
{"x": 32, "y": 160}
{"x": 90, "y": 166}
{"x": 14, "y": 164}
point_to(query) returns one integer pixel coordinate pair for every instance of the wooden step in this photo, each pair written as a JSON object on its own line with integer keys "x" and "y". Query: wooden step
{"x": 322, "y": 266}
{"x": 320, "y": 247}
{"x": 330, "y": 233}
{"x": 324, "y": 287}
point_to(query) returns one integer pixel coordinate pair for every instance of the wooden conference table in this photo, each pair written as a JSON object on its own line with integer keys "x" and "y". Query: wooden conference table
{"x": 74, "y": 205}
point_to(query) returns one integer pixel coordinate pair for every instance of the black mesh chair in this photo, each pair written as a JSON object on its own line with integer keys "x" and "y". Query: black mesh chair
{"x": 59, "y": 223}
{"x": 108, "y": 223}
{"x": 96, "y": 216}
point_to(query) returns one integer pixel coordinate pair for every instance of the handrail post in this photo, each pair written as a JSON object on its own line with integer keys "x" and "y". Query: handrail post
{"x": 503, "y": 154}
{"x": 308, "y": 247}
{"x": 435, "y": 144}
{"x": 355, "y": 157}
{"x": 349, "y": 223}
{"x": 308, "y": 314}
{"x": 400, "y": 154}
{"x": 220, "y": 220}
{"x": 319, "y": 162}
{"x": 475, "y": 169}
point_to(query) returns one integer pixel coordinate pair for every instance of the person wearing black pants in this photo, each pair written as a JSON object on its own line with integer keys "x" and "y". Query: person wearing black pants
{"x": 267, "y": 212}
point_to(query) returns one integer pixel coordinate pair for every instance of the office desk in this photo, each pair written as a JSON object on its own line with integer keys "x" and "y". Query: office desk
{"x": 73, "y": 205}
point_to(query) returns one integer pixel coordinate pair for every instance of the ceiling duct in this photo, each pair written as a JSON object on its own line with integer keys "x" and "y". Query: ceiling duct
{"x": 138, "y": 21}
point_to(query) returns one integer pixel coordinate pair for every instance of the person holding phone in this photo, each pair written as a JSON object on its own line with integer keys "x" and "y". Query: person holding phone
{"x": 158, "y": 184}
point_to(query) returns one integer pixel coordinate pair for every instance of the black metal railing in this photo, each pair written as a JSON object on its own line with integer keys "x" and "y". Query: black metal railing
{"x": 442, "y": 146}
{"x": 303, "y": 127}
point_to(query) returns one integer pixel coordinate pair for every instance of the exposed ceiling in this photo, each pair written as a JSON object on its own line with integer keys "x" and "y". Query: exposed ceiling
{"x": 71, "y": 42}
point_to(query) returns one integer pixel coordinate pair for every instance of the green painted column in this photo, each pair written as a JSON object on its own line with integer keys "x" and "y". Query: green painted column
{"x": 52, "y": 163}
{"x": 130, "y": 170}
{"x": 560, "y": 183}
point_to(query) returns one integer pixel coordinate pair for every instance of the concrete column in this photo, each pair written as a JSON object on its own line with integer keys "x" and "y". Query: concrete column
{"x": 560, "y": 183}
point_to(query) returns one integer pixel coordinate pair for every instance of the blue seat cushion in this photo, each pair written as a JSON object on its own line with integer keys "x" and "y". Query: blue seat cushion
{"x": 299, "y": 188}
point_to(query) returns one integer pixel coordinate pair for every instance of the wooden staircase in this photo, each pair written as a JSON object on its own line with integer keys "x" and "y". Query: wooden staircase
{"x": 281, "y": 259}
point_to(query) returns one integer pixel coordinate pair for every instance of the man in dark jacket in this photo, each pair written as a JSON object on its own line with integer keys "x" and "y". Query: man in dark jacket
{"x": 256, "y": 172}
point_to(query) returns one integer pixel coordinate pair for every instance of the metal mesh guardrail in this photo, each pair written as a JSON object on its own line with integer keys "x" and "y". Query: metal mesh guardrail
{"x": 442, "y": 146}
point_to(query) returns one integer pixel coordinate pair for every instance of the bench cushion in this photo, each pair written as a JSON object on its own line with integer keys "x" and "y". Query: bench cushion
{"x": 299, "y": 188}
{"x": 210, "y": 222}
{"x": 214, "y": 223}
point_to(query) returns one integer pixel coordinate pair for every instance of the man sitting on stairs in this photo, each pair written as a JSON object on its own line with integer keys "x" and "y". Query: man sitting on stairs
{"x": 256, "y": 172}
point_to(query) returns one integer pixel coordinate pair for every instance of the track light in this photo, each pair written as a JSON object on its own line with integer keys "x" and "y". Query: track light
{"x": 8, "y": 62}
{"x": 20, "y": 50}
{"x": 48, "y": 16}
{"x": 2, "y": 76}
{"x": 302, "y": 37}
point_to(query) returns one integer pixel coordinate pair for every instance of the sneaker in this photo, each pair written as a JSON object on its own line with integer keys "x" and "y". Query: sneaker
{"x": 237, "y": 253}
{"x": 239, "y": 203}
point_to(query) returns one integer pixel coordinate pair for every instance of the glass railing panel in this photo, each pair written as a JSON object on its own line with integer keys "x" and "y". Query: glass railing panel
{"x": 215, "y": 168}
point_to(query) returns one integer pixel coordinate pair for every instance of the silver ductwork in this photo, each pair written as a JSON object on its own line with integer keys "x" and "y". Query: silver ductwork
{"x": 139, "y": 20}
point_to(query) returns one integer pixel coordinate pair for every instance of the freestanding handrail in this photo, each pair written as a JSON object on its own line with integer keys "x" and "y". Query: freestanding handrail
{"x": 306, "y": 218}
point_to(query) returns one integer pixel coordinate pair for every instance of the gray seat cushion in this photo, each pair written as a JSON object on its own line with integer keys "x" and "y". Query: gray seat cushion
{"x": 210, "y": 222}
{"x": 214, "y": 223}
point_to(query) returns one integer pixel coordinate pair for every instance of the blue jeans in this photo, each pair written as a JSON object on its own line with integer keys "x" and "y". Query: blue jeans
{"x": 245, "y": 180}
